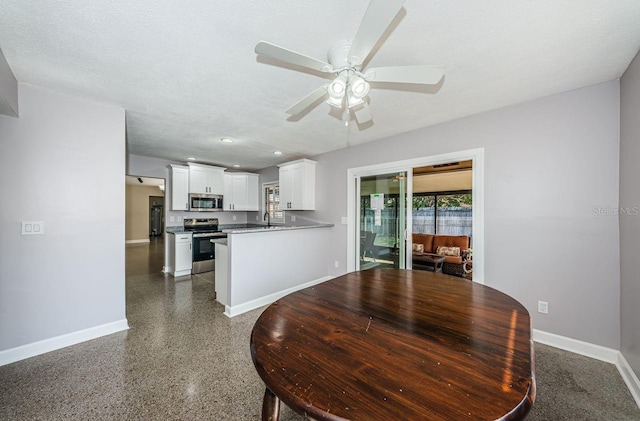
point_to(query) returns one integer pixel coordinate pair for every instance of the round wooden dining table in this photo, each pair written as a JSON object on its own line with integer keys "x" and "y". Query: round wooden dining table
{"x": 391, "y": 344}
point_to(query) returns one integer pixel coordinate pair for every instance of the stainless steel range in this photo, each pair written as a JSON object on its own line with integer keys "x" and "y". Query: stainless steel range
{"x": 204, "y": 229}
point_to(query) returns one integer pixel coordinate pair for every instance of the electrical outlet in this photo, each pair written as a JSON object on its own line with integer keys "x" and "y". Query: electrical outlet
{"x": 543, "y": 307}
{"x": 235, "y": 217}
{"x": 337, "y": 264}
{"x": 257, "y": 219}
{"x": 293, "y": 218}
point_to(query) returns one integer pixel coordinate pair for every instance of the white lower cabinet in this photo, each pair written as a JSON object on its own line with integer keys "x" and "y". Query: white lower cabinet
{"x": 180, "y": 254}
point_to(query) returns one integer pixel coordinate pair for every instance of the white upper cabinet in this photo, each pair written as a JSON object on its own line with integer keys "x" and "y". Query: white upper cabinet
{"x": 298, "y": 185}
{"x": 205, "y": 179}
{"x": 241, "y": 192}
{"x": 179, "y": 179}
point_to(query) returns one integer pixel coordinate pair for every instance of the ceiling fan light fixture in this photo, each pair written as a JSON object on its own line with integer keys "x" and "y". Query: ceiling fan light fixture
{"x": 335, "y": 102}
{"x": 358, "y": 86}
{"x": 353, "y": 100}
{"x": 338, "y": 88}
{"x": 347, "y": 91}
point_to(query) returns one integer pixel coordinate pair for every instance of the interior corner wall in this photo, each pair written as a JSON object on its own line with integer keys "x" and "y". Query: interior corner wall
{"x": 630, "y": 214}
{"x": 551, "y": 191}
{"x": 137, "y": 211}
{"x": 62, "y": 162}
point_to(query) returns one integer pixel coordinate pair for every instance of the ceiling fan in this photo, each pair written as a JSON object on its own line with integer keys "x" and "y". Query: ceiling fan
{"x": 345, "y": 60}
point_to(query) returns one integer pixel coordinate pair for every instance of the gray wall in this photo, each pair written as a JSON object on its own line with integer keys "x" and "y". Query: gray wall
{"x": 630, "y": 214}
{"x": 61, "y": 162}
{"x": 551, "y": 177}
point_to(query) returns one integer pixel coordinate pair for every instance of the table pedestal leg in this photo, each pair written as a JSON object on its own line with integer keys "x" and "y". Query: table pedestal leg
{"x": 270, "y": 406}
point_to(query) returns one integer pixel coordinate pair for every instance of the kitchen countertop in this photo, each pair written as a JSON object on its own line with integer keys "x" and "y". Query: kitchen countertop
{"x": 264, "y": 228}
{"x": 176, "y": 230}
{"x": 249, "y": 228}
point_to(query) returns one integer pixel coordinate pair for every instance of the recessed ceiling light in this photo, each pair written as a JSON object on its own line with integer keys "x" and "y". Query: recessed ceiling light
{"x": 226, "y": 140}
{"x": 191, "y": 158}
{"x": 236, "y": 165}
{"x": 277, "y": 153}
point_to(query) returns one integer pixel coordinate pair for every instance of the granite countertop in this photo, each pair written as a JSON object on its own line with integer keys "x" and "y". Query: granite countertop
{"x": 248, "y": 228}
{"x": 176, "y": 230}
{"x": 264, "y": 228}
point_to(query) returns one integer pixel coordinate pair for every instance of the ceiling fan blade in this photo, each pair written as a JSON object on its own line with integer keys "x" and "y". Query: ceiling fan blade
{"x": 305, "y": 102}
{"x": 425, "y": 75}
{"x": 279, "y": 53}
{"x": 376, "y": 19}
{"x": 363, "y": 114}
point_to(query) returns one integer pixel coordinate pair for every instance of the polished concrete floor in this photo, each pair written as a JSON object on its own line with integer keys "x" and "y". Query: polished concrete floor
{"x": 183, "y": 359}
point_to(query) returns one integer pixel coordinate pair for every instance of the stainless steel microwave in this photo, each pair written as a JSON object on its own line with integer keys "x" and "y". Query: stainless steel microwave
{"x": 205, "y": 202}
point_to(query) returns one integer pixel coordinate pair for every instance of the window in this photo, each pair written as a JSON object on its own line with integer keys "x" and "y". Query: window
{"x": 449, "y": 213}
{"x": 271, "y": 202}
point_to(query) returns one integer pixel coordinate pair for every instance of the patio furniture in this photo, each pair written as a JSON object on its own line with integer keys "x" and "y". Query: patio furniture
{"x": 427, "y": 261}
{"x": 366, "y": 244}
{"x": 445, "y": 245}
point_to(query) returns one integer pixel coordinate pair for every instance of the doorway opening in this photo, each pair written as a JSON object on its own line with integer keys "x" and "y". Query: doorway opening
{"x": 398, "y": 209}
{"x": 442, "y": 215}
{"x": 383, "y": 222}
{"x": 144, "y": 219}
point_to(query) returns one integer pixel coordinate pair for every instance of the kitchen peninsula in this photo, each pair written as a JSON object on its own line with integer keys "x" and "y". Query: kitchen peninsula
{"x": 256, "y": 266}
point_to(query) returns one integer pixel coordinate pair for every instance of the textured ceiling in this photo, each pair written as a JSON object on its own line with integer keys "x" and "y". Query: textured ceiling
{"x": 187, "y": 74}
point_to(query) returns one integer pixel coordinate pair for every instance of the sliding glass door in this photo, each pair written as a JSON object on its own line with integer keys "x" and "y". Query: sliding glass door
{"x": 382, "y": 221}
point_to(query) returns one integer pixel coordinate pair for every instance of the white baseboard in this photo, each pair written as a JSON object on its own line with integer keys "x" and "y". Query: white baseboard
{"x": 608, "y": 355}
{"x": 47, "y": 345}
{"x": 180, "y": 273}
{"x": 268, "y": 299}
{"x": 629, "y": 377}
{"x": 137, "y": 241}
{"x": 587, "y": 349}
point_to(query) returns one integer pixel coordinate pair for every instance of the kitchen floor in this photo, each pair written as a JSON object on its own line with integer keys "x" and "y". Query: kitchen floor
{"x": 183, "y": 359}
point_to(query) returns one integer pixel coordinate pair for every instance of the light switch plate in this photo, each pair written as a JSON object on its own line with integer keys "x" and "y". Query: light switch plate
{"x": 32, "y": 227}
